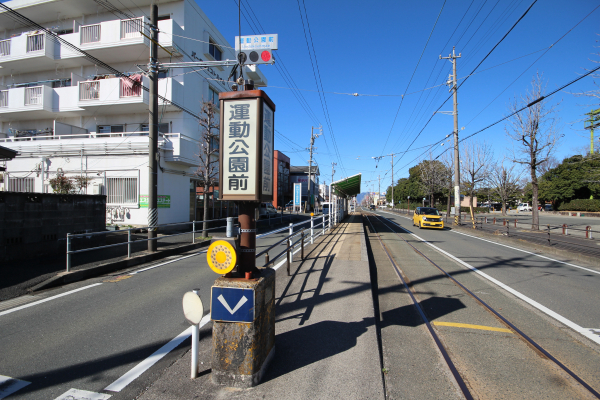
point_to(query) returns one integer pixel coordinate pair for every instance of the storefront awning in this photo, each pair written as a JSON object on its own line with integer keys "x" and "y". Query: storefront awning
{"x": 347, "y": 187}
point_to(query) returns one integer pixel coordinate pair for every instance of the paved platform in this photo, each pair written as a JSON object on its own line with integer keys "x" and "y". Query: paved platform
{"x": 326, "y": 341}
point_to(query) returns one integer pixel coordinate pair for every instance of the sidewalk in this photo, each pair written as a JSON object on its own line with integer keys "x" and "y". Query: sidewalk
{"x": 325, "y": 344}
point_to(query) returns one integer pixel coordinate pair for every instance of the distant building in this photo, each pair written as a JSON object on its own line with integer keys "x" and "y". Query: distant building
{"x": 300, "y": 175}
{"x": 282, "y": 191}
{"x": 323, "y": 192}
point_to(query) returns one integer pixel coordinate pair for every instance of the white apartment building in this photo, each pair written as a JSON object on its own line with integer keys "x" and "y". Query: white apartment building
{"x": 62, "y": 112}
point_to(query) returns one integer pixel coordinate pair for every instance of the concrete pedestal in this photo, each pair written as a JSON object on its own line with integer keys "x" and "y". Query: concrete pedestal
{"x": 242, "y": 351}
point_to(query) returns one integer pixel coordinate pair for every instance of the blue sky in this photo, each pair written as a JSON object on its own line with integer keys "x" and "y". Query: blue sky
{"x": 373, "y": 49}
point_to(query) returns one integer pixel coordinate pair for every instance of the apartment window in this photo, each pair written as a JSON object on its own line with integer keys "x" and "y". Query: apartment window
{"x": 162, "y": 128}
{"x": 21, "y": 184}
{"x": 213, "y": 96}
{"x": 214, "y": 51}
{"x": 110, "y": 129}
{"x": 61, "y": 83}
{"x": 64, "y": 31}
{"x": 122, "y": 191}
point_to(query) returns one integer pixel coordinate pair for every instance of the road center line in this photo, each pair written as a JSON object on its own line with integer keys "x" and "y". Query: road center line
{"x": 35, "y": 303}
{"x": 470, "y": 326}
{"x": 167, "y": 262}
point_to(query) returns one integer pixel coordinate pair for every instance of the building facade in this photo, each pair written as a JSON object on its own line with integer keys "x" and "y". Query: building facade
{"x": 65, "y": 114}
{"x": 282, "y": 191}
{"x": 300, "y": 175}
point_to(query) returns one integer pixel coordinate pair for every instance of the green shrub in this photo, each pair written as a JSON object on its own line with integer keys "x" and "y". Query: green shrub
{"x": 581, "y": 205}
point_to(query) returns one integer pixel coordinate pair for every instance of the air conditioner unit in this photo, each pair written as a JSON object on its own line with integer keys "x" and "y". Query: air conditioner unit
{"x": 97, "y": 188}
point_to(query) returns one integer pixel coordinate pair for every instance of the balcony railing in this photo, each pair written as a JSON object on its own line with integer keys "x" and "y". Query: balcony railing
{"x": 89, "y": 90}
{"x": 90, "y": 33}
{"x": 132, "y": 28}
{"x": 5, "y": 47}
{"x": 35, "y": 42}
{"x": 3, "y": 98}
{"x": 130, "y": 89}
{"x": 33, "y": 96}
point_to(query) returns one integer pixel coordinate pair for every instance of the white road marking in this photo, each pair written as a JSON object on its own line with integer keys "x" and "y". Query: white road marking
{"x": 534, "y": 254}
{"x": 77, "y": 394}
{"x": 166, "y": 262}
{"x": 35, "y": 303}
{"x": 143, "y": 366}
{"x": 10, "y": 385}
{"x": 588, "y": 333}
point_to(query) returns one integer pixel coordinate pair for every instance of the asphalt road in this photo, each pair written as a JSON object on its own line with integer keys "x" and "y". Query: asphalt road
{"x": 88, "y": 339}
{"x": 532, "y": 292}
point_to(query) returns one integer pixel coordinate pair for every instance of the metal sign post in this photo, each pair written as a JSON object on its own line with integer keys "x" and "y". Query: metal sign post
{"x": 246, "y": 162}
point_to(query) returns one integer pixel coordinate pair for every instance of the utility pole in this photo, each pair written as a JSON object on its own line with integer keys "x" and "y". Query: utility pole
{"x": 153, "y": 133}
{"x": 379, "y": 192}
{"x": 453, "y": 87}
{"x": 331, "y": 190}
{"x": 312, "y": 142}
{"x": 392, "y": 179}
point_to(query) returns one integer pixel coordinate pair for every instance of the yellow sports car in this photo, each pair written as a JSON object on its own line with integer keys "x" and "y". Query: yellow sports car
{"x": 427, "y": 217}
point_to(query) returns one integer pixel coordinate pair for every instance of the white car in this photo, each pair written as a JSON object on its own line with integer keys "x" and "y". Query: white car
{"x": 524, "y": 207}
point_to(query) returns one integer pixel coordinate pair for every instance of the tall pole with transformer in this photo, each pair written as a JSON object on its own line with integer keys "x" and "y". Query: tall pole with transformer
{"x": 153, "y": 133}
{"x": 452, "y": 82}
{"x": 312, "y": 142}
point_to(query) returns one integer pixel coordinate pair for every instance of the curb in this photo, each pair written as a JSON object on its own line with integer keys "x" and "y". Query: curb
{"x": 85, "y": 273}
{"x": 77, "y": 275}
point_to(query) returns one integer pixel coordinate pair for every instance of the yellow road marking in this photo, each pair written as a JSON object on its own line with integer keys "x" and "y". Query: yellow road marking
{"x": 119, "y": 278}
{"x": 485, "y": 328}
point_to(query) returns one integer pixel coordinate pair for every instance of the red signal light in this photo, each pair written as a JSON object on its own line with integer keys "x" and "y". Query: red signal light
{"x": 266, "y": 56}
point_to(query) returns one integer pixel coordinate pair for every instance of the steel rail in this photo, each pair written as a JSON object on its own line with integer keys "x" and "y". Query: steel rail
{"x": 459, "y": 379}
{"x": 491, "y": 310}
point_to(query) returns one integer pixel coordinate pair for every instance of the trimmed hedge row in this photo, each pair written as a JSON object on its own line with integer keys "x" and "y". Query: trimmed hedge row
{"x": 581, "y": 205}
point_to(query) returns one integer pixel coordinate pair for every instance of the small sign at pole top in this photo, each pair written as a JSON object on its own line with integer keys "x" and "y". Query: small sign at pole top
{"x": 255, "y": 42}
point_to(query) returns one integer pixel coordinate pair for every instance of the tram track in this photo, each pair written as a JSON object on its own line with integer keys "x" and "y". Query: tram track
{"x": 460, "y": 380}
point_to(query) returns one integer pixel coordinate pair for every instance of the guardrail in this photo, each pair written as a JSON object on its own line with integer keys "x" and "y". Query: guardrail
{"x": 129, "y": 241}
{"x": 196, "y": 227}
{"x": 290, "y": 245}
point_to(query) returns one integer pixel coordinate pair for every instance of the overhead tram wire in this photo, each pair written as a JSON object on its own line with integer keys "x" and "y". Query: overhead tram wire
{"x": 281, "y": 69}
{"x": 319, "y": 83}
{"x": 411, "y": 78}
{"x": 471, "y": 74}
{"x": 533, "y": 63}
{"x": 27, "y": 22}
{"x": 517, "y": 111}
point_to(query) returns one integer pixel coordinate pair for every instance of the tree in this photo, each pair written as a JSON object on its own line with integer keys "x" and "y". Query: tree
{"x": 535, "y": 132}
{"x": 208, "y": 167}
{"x": 61, "y": 184}
{"x": 433, "y": 177}
{"x": 577, "y": 177}
{"x": 504, "y": 182}
{"x": 475, "y": 166}
{"x": 81, "y": 182}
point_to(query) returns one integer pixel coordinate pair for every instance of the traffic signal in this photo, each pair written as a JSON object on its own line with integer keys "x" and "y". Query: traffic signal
{"x": 255, "y": 56}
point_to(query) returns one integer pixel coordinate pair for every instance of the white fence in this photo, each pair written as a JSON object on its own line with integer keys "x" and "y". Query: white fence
{"x": 132, "y": 28}
{"x": 89, "y": 90}
{"x": 90, "y": 33}
{"x": 5, "y": 47}
{"x": 3, "y": 98}
{"x": 35, "y": 42}
{"x": 33, "y": 95}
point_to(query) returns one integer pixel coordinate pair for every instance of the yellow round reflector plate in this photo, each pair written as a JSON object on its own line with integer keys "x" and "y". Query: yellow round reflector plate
{"x": 221, "y": 257}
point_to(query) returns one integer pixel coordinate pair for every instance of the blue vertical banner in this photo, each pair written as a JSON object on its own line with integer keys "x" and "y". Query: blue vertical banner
{"x": 297, "y": 194}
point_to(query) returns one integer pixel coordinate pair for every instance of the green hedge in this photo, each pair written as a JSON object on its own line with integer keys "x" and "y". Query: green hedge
{"x": 581, "y": 205}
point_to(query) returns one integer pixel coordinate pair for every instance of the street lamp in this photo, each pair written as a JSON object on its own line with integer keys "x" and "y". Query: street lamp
{"x": 408, "y": 203}
{"x": 423, "y": 201}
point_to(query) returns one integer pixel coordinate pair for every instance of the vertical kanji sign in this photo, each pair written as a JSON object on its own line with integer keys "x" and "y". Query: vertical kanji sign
{"x": 246, "y": 148}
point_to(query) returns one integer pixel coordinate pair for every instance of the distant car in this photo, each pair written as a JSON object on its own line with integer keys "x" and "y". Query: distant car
{"x": 266, "y": 209}
{"x": 524, "y": 207}
{"x": 351, "y": 207}
{"x": 548, "y": 207}
{"x": 371, "y": 206}
{"x": 428, "y": 217}
{"x": 325, "y": 208}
